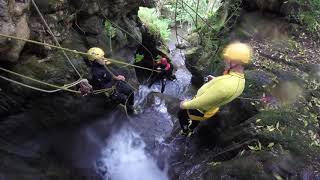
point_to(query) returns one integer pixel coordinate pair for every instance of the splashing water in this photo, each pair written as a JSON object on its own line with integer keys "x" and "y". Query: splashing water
{"x": 131, "y": 153}
{"x": 125, "y": 158}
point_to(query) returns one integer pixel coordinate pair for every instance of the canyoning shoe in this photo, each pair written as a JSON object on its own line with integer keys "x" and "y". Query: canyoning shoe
{"x": 133, "y": 110}
{"x": 186, "y": 133}
{"x": 130, "y": 109}
{"x": 172, "y": 77}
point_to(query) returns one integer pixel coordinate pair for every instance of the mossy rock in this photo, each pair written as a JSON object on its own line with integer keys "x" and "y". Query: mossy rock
{"x": 264, "y": 165}
{"x": 295, "y": 131}
{"x": 54, "y": 69}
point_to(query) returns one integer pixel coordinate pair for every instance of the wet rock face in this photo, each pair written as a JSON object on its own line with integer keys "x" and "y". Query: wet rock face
{"x": 268, "y": 5}
{"x": 282, "y": 7}
{"x": 13, "y": 22}
{"x": 76, "y": 25}
{"x": 64, "y": 17}
{"x": 197, "y": 65}
{"x": 91, "y": 18}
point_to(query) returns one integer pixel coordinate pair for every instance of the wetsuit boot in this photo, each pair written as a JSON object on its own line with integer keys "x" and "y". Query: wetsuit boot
{"x": 163, "y": 84}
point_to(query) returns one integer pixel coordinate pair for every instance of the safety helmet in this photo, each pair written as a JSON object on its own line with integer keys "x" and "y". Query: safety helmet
{"x": 95, "y": 53}
{"x": 164, "y": 60}
{"x": 238, "y": 52}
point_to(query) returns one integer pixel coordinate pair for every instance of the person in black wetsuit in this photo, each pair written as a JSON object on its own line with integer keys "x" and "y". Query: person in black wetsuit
{"x": 165, "y": 73}
{"x": 103, "y": 79}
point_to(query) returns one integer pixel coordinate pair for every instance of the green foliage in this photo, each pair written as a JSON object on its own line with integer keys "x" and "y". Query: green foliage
{"x": 293, "y": 130}
{"x": 109, "y": 29}
{"x": 157, "y": 25}
{"x": 188, "y": 10}
{"x": 139, "y": 58}
{"x": 158, "y": 57}
{"x": 211, "y": 19}
{"x": 213, "y": 37}
{"x": 238, "y": 168}
{"x": 309, "y": 15}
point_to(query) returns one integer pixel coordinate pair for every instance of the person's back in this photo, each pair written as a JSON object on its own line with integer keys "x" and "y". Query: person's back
{"x": 217, "y": 92}
{"x": 101, "y": 78}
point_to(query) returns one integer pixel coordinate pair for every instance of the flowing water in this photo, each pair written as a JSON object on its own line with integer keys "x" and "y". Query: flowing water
{"x": 135, "y": 151}
{"x": 118, "y": 147}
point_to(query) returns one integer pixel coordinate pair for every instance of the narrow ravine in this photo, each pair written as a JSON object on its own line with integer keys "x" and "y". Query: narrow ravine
{"x": 130, "y": 148}
{"x": 136, "y": 150}
{"x": 270, "y": 131}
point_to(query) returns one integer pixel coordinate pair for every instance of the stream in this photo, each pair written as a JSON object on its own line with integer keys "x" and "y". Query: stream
{"x": 118, "y": 147}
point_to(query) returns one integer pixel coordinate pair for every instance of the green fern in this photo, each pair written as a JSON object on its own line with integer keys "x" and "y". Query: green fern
{"x": 139, "y": 58}
{"x": 109, "y": 29}
{"x": 157, "y": 25}
{"x": 309, "y": 15}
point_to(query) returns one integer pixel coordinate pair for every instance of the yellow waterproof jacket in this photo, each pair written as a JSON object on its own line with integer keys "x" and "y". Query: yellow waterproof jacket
{"x": 217, "y": 92}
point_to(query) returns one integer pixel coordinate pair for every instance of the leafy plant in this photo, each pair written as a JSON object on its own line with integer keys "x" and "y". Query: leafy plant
{"x": 109, "y": 29}
{"x": 257, "y": 147}
{"x": 158, "y": 57}
{"x": 309, "y": 15}
{"x": 139, "y": 58}
{"x": 193, "y": 13}
{"x": 193, "y": 10}
{"x": 157, "y": 25}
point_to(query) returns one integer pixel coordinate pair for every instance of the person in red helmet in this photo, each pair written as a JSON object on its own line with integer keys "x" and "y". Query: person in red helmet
{"x": 165, "y": 73}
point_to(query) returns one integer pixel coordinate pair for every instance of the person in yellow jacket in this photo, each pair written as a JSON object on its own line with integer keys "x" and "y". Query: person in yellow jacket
{"x": 218, "y": 91}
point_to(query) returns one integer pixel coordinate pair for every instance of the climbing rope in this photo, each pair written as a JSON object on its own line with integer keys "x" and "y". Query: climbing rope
{"x": 35, "y": 88}
{"x": 123, "y": 30}
{"x": 113, "y": 75}
{"x": 54, "y": 37}
{"x": 176, "y": 32}
{"x": 58, "y": 88}
{"x": 65, "y": 88}
{"x": 128, "y": 33}
{"x": 106, "y": 90}
{"x": 57, "y": 42}
{"x": 251, "y": 99}
{"x": 197, "y": 14}
{"x": 74, "y": 51}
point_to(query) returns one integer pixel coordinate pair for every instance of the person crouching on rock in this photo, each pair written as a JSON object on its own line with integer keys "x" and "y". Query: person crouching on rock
{"x": 103, "y": 79}
{"x": 165, "y": 73}
{"x": 218, "y": 91}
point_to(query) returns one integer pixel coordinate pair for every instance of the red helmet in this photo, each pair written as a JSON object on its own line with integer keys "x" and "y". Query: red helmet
{"x": 164, "y": 60}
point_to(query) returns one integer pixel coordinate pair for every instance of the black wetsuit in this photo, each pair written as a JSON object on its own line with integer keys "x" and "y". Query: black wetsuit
{"x": 102, "y": 79}
{"x": 185, "y": 122}
{"x": 162, "y": 76}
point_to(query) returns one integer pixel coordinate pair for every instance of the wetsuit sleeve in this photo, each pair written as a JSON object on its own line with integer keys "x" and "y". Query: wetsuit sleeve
{"x": 100, "y": 74}
{"x": 108, "y": 68}
{"x": 213, "y": 96}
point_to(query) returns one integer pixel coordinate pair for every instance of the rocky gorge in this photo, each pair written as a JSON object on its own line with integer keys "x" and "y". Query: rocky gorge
{"x": 249, "y": 139}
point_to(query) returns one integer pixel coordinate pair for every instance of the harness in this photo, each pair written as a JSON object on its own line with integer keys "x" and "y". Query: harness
{"x": 204, "y": 116}
{"x": 207, "y": 115}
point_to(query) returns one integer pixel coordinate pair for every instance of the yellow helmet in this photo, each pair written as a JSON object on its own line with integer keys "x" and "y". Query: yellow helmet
{"x": 95, "y": 53}
{"x": 238, "y": 52}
